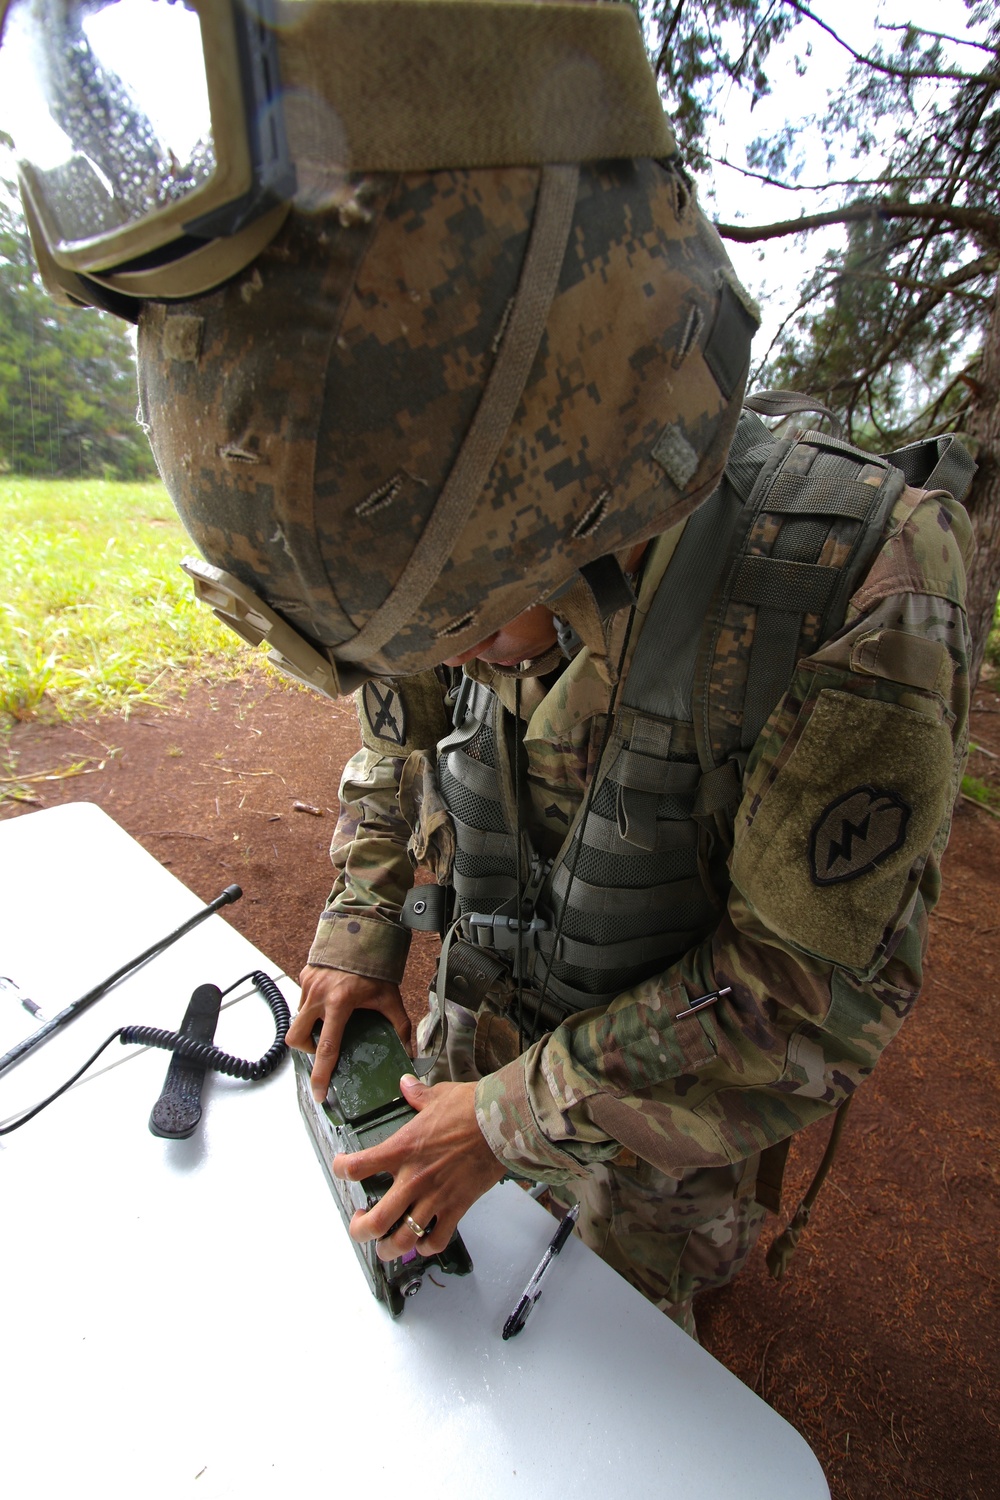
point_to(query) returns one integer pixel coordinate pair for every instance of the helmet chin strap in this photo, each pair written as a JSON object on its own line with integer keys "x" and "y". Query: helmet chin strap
{"x": 534, "y": 666}
{"x": 584, "y": 613}
{"x": 587, "y": 608}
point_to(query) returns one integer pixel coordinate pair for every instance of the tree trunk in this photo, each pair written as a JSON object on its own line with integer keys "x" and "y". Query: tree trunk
{"x": 984, "y": 498}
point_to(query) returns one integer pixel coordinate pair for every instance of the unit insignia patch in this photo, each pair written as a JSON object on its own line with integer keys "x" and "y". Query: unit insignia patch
{"x": 384, "y": 711}
{"x": 855, "y": 833}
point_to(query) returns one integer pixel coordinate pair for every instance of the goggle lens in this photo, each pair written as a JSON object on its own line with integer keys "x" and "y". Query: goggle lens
{"x": 107, "y": 102}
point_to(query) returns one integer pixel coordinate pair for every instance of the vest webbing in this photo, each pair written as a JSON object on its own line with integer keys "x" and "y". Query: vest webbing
{"x": 761, "y": 576}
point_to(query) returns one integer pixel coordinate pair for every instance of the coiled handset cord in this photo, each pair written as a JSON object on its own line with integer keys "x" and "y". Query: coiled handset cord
{"x": 192, "y": 1050}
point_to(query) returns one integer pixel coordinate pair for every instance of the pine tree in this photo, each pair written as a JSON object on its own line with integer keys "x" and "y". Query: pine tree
{"x": 67, "y": 376}
{"x": 898, "y": 329}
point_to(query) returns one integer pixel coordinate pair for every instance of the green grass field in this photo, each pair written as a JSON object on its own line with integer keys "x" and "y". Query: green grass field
{"x": 95, "y": 612}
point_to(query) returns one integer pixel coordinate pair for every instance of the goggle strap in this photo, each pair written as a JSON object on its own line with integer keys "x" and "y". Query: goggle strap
{"x": 421, "y": 85}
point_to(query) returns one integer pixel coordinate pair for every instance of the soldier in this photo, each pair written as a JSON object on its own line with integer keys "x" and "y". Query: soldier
{"x": 684, "y": 1016}
{"x": 460, "y": 404}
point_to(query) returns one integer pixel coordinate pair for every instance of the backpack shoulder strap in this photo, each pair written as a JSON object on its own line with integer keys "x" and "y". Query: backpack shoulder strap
{"x": 805, "y": 538}
{"x": 941, "y": 463}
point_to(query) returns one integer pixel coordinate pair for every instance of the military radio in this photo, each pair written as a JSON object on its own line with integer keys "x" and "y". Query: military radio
{"x": 363, "y": 1108}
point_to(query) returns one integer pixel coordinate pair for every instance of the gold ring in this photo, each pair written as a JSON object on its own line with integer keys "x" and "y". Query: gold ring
{"x": 414, "y": 1226}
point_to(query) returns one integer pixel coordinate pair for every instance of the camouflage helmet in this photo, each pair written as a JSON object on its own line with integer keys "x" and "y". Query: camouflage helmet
{"x": 429, "y": 407}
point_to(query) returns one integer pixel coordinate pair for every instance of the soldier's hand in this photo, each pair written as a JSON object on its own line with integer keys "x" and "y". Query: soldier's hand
{"x": 440, "y": 1164}
{"x": 331, "y": 996}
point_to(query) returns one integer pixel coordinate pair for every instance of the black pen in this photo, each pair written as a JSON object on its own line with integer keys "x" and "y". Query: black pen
{"x": 533, "y": 1290}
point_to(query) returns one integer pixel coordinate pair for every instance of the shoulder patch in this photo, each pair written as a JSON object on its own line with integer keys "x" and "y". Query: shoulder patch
{"x": 830, "y": 845}
{"x": 856, "y": 832}
{"x": 401, "y": 714}
{"x": 384, "y": 712}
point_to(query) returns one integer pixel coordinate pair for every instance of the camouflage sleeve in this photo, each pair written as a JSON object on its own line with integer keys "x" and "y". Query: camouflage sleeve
{"x": 359, "y": 929}
{"x": 846, "y": 812}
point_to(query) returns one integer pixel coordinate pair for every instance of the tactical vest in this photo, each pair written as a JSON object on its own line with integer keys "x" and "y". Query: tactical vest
{"x": 762, "y": 575}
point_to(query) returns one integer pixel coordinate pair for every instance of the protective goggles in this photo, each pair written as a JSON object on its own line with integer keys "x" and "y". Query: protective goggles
{"x": 161, "y": 143}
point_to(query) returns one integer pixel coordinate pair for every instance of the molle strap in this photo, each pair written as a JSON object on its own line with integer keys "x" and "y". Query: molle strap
{"x": 845, "y": 497}
{"x": 719, "y": 791}
{"x": 605, "y": 836}
{"x": 645, "y": 773}
{"x": 483, "y": 892}
{"x": 812, "y": 494}
{"x": 782, "y": 592}
{"x": 774, "y": 583}
{"x": 572, "y": 999}
{"x": 463, "y": 487}
{"x": 484, "y": 845}
{"x": 642, "y": 782}
{"x": 941, "y": 463}
{"x": 479, "y": 778}
{"x": 595, "y": 900}
{"x": 638, "y": 951}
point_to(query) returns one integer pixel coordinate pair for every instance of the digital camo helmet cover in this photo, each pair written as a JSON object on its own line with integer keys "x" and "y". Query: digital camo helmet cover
{"x": 421, "y": 412}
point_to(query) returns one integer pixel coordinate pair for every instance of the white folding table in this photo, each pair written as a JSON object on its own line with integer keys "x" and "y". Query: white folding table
{"x": 189, "y": 1318}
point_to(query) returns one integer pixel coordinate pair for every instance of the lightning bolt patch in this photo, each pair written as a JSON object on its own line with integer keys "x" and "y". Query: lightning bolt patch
{"x": 855, "y": 833}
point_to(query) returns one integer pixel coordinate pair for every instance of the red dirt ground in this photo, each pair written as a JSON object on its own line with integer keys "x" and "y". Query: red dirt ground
{"x": 881, "y": 1344}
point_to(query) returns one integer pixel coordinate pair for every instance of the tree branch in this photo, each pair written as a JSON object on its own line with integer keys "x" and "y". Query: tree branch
{"x": 668, "y": 37}
{"x": 906, "y": 75}
{"x": 955, "y": 214}
{"x": 792, "y": 314}
{"x": 925, "y": 420}
{"x": 985, "y": 265}
{"x": 738, "y": 68}
{"x": 940, "y": 36}
{"x": 916, "y": 315}
{"x": 821, "y": 187}
{"x": 870, "y": 398}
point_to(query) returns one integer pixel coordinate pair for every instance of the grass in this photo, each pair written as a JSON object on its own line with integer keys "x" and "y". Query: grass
{"x": 974, "y": 789}
{"x": 95, "y": 613}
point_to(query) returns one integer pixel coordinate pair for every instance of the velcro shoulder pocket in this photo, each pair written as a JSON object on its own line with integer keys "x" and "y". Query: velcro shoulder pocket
{"x": 829, "y": 851}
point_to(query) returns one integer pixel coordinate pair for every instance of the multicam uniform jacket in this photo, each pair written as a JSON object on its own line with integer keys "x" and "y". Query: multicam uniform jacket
{"x": 822, "y": 932}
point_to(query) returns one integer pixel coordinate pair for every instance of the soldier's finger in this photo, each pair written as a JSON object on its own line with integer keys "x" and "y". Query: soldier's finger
{"x": 400, "y": 1023}
{"x": 328, "y": 1050}
{"x": 383, "y": 1219}
{"x": 355, "y": 1165}
{"x": 404, "y": 1237}
{"x": 299, "y": 1034}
